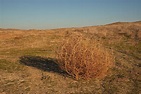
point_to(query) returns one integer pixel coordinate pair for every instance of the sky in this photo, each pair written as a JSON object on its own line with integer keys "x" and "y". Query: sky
{"x": 49, "y": 14}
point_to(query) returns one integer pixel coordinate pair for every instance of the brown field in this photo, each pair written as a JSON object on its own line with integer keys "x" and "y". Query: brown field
{"x": 29, "y": 62}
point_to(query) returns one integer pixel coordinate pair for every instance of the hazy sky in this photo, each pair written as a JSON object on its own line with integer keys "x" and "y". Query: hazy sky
{"x": 46, "y": 14}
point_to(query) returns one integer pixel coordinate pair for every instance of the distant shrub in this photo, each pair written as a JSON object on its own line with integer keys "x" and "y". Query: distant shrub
{"x": 84, "y": 58}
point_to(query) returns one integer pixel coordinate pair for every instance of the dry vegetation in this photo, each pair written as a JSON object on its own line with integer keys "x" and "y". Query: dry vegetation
{"x": 28, "y": 62}
{"x": 82, "y": 57}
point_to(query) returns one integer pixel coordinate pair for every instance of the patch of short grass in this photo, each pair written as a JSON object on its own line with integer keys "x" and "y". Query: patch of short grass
{"x": 8, "y": 66}
{"x": 129, "y": 49}
{"x": 28, "y": 51}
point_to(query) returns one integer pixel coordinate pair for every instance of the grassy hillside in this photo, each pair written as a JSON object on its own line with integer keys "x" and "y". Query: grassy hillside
{"x": 28, "y": 61}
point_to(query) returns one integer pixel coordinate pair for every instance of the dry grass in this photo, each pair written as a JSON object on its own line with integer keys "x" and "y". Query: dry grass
{"x": 124, "y": 76}
{"x": 84, "y": 58}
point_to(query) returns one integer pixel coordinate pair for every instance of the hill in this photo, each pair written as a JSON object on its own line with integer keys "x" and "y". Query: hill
{"x": 28, "y": 61}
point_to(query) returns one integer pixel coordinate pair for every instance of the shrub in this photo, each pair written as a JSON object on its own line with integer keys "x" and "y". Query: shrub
{"x": 84, "y": 58}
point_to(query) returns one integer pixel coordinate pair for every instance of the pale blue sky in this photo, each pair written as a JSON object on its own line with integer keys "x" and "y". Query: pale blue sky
{"x": 47, "y": 14}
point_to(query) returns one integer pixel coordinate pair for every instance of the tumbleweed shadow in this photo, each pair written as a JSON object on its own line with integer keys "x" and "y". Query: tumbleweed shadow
{"x": 45, "y": 64}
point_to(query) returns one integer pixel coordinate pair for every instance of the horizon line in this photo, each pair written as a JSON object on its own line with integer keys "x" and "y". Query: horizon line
{"x": 73, "y": 26}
